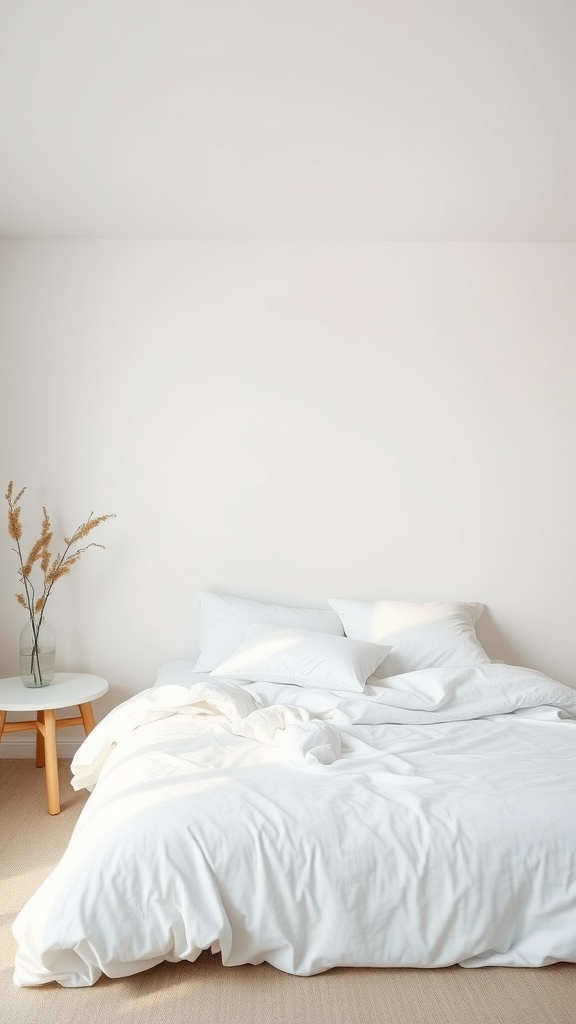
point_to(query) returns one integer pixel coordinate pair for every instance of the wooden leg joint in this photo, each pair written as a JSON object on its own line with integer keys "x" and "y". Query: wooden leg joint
{"x": 46, "y": 725}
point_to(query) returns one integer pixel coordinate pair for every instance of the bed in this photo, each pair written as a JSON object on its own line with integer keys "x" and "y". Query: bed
{"x": 352, "y": 786}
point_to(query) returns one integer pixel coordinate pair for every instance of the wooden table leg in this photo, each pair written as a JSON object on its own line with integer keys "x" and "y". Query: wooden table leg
{"x": 2, "y": 722}
{"x": 40, "y": 756}
{"x": 87, "y": 717}
{"x": 52, "y": 786}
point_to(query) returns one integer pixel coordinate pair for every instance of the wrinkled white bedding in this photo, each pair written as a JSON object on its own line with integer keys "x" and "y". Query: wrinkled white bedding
{"x": 304, "y": 742}
{"x": 427, "y": 822}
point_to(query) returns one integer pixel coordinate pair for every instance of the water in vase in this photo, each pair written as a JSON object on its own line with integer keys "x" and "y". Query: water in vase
{"x": 29, "y": 673}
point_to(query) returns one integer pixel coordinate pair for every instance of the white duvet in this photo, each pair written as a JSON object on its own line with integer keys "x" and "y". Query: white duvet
{"x": 430, "y": 821}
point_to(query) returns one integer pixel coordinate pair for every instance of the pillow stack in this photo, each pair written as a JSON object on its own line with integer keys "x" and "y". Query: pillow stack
{"x": 259, "y": 642}
{"x": 338, "y": 648}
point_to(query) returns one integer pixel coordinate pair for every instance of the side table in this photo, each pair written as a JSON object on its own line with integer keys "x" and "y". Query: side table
{"x": 69, "y": 689}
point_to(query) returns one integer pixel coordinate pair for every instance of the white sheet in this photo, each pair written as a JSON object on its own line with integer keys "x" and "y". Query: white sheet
{"x": 442, "y": 831}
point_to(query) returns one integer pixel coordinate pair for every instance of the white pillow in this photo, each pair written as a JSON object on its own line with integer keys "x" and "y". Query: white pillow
{"x": 422, "y": 634}
{"x": 224, "y": 621}
{"x": 271, "y": 654}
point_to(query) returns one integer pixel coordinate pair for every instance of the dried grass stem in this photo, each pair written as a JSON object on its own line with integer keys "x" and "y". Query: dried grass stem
{"x": 51, "y": 568}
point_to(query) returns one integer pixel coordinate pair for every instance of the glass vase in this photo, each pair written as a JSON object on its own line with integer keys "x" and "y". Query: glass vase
{"x": 37, "y": 654}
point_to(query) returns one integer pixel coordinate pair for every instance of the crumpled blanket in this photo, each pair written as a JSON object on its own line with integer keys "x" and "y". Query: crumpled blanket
{"x": 303, "y": 741}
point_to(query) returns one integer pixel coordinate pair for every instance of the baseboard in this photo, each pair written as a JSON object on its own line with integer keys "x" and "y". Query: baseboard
{"x": 13, "y": 747}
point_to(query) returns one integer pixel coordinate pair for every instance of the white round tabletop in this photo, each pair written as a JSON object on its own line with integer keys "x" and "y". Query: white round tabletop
{"x": 66, "y": 690}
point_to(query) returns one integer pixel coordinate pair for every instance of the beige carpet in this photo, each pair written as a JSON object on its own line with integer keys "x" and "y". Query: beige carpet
{"x": 30, "y": 844}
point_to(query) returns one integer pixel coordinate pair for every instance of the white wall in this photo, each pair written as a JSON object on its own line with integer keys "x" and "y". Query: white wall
{"x": 292, "y": 421}
{"x": 373, "y": 119}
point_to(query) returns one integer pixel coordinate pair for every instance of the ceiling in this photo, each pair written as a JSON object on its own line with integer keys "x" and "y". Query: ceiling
{"x": 282, "y": 119}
